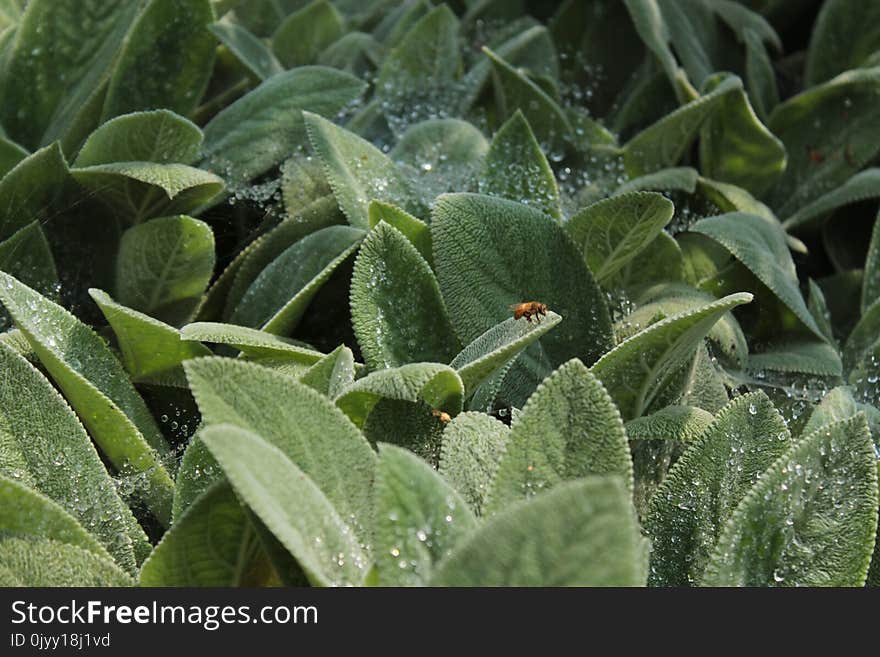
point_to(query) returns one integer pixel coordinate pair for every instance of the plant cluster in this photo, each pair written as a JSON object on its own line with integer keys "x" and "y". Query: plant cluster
{"x": 258, "y": 262}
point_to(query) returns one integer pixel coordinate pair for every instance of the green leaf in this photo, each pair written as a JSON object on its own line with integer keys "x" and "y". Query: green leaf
{"x": 638, "y": 369}
{"x": 357, "y": 171}
{"x": 419, "y": 518}
{"x": 305, "y": 33}
{"x": 152, "y": 351}
{"x": 280, "y": 295}
{"x": 140, "y": 190}
{"x": 437, "y": 385}
{"x": 28, "y": 256}
{"x": 681, "y": 179}
{"x": 666, "y": 264}
{"x": 822, "y": 157}
{"x": 249, "y": 50}
{"x": 10, "y": 155}
{"x": 290, "y": 505}
{"x": 761, "y": 247}
{"x": 516, "y": 168}
{"x": 871, "y": 281}
{"x": 430, "y": 50}
{"x": 839, "y": 404}
{"x": 664, "y": 143}
{"x": 614, "y": 231}
{"x": 43, "y": 445}
{"x": 304, "y": 424}
{"x": 844, "y": 35}
{"x": 860, "y": 187}
{"x": 332, "y": 373}
{"x": 497, "y": 347}
{"x": 164, "y": 266}
{"x": 26, "y": 512}
{"x": 28, "y": 192}
{"x": 811, "y": 518}
{"x": 251, "y": 342}
{"x": 514, "y": 91}
{"x": 490, "y": 253}
{"x": 165, "y": 61}
{"x": 862, "y": 338}
{"x": 815, "y": 357}
{"x": 415, "y": 230}
{"x": 582, "y": 533}
{"x": 212, "y": 544}
{"x": 40, "y": 562}
{"x": 473, "y": 444}
{"x": 67, "y": 61}
{"x": 760, "y": 76}
{"x": 159, "y": 136}
{"x": 261, "y": 129}
{"x": 97, "y": 387}
{"x": 735, "y": 147}
{"x": 690, "y": 508}
{"x": 397, "y": 312}
{"x": 443, "y": 155}
{"x": 569, "y": 428}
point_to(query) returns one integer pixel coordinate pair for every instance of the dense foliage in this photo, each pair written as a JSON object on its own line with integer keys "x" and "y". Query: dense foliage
{"x": 258, "y": 261}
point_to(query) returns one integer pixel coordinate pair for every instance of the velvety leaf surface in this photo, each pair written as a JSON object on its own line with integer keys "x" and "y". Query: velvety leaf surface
{"x": 41, "y": 562}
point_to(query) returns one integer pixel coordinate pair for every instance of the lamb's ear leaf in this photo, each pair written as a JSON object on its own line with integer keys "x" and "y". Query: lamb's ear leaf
{"x": 862, "y": 338}
{"x": 56, "y": 445}
{"x": 301, "y": 422}
{"x": 420, "y": 518}
{"x": 247, "y": 48}
{"x": 689, "y": 509}
{"x": 212, "y": 544}
{"x": 164, "y": 266}
{"x": 490, "y": 253}
{"x": 27, "y": 255}
{"x": 397, "y": 312}
{"x": 844, "y": 36}
{"x": 569, "y": 428}
{"x": 635, "y": 371}
{"x": 41, "y": 562}
{"x": 760, "y": 76}
{"x": 443, "y": 155}
{"x": 614, "y": 231}
{"x": 825, "y": 486}
{"x": 761, "y": 247}
{"x": 819, "y": 162}
{"x": 415, "y": 230}
{"x": 10, "y": 155}
{"x": 305, "y": 33}
{"x": 871, "y": 280}
{"x": 357, "y": 171}
{"x": 673, "y": 179}
{"x": 472, "y": 446}
{"x": 253, "y": 343}
{"x": 581, "y": 533}
{"x": 437, "y": 385}
{"x": 840, "y": 404}
{"x": 860, "y": 187}
{"x": 662, "y": 144}
{"x": 29, "y": 190}
{"x": 815, "y": 357}
{"x": 155, "y": 136}
{"x": 277, "y": 299}
{"x": 502, "y": 343}
{"x": 152, "y": 351}
{"x": 166, "y": 59}
{"x": 514, "y": 91}
{"x": 516, "y": 168}
{"x": 97, "y": 387}
{"x": 332, "y": 373}
{"x": 290, "y": 504}
{"x": 262, "y": 128}
{"x": 735, "y": 147}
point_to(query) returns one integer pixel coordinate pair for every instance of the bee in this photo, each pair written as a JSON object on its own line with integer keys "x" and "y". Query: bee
{"x": 529, "y": 309}
{"x": 443, "y": 416}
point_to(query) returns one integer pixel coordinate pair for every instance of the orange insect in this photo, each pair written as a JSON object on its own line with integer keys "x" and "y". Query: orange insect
{"x": 529, "y": 309}
{"x": 443, "y": 416}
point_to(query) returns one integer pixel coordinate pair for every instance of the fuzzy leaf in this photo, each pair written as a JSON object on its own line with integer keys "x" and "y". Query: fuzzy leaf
{"x": 251, "y": 342}
{"x": 332, "y": 373}
{"x": 249, "y": 50}
{"x": 164, "y": 266}
{"x": 568, "y": 429}
{"x": 871, "y": 281}
{"x": 415, "y": 230}
{"x": 844, "y": 35}
{"x": 28, "y": 256}
{"x": 29, "y": 190}
{"x": 305, "y": 33}
{"x": 419, "y": 518}
{"x": 397, "y": 312}
{"x": 581, "y": 533}
{"x": 682, "y": 179}
{"x": 860, "y": 187}
{"x": 689, "y": 509}
{"x": 41, "y": 562}
{"x": 637, "y": 370}
{"x": 811, "y": 518}
{"x": 291, "y": 506}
